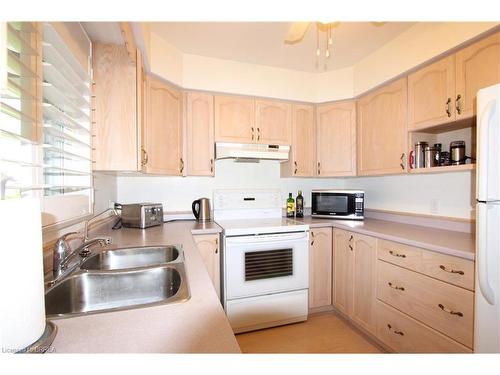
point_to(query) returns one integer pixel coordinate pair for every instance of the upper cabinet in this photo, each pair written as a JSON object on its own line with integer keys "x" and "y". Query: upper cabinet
{"x": 302, "y": 160}
{"x": 234, "y": 119}
{"x": 431, "y": 93}
{"x": 382, "y": 130}
{"x": 273, "y": 122}
{"x": 199, "y": 111}
{"x": 477, "y": 66}
{"x": 115, "y": 129}
{"x": 163, "y": 129}
{"x": 336, "y": 139}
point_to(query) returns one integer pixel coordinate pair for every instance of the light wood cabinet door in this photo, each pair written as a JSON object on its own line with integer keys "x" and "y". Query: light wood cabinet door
{"x": 477, "y": 66}
{"x": 208, "y": 246}
{"x": 336, "y": 139}
{"x": 115, "y": 143}
{"x": 163, "y": 130}
{"x": 320, "y": 268}
{"x": 431, "y": 93}
{"x": 342, "y": 270}
{"x": 365, "y": 282}
{"x": 200, "y": 134}
{"x": 273, "y": 122}
{"x": 234, "y": 119}
{"x": 382, "y": 130}
{"x": 302, "y": 161}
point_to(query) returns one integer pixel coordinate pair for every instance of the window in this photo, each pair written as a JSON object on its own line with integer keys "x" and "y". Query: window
{"x": 45, "y": 123}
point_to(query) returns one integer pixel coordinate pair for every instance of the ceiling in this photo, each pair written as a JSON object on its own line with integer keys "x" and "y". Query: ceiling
{"x": 262, "y": 42}
{"x": 104, "y": 32}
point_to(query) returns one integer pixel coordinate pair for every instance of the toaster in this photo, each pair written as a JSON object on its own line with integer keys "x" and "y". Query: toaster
{"x": 142, "y": 215}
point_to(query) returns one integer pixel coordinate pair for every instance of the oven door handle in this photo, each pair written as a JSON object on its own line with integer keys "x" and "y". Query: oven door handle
{"x": 268, "y": 239}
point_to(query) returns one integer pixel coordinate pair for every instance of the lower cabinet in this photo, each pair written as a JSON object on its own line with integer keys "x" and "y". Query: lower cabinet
{"x": 355, "y": 277}
{"x": 320, "y": 268}
{"x": 208, "y": 246}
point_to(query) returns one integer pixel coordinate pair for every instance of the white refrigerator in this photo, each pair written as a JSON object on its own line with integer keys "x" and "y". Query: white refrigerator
{"x": 487, "y": 304}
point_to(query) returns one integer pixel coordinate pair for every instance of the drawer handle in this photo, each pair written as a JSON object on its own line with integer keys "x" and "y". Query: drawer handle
{"x": 350, "y": 247}
{"x": 396, "y": 287}
{"x": 351, "y": 238}
{"x": 451, "y": 270}
{"x": 394, "y": 254}
{"x": 401, "y": 333}
{"x": 458, "y": 313}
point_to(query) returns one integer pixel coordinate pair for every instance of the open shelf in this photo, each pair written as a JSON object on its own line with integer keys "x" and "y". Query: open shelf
{"x": 444, "y": 169}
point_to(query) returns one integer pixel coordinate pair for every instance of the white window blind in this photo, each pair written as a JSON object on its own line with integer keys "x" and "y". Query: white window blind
{"x": 19, "y": 166}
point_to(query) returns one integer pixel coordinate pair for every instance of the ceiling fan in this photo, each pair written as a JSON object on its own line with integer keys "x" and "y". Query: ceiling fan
{"x": 298, "y": 29}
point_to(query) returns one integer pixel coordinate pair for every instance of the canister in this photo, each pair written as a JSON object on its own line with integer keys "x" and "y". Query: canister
{"x": 420, "y": 154}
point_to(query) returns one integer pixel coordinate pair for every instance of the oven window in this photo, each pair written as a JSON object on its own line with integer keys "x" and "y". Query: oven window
{"x": 268, "y": 264}
{"x": 332, "y": 203}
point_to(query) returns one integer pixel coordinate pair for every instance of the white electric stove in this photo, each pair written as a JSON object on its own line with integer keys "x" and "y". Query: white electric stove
{"x": 265, "y": 260}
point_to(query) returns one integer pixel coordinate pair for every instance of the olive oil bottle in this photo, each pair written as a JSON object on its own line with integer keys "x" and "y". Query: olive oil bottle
{"x": 290, "y": 206}
{"x": 299, "y": 205}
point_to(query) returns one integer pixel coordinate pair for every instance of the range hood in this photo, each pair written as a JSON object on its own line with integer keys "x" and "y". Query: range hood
{"x": 251, "y": 151}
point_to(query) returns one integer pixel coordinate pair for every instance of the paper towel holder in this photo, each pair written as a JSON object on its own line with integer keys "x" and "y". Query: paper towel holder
{"x": 43, "y": 344}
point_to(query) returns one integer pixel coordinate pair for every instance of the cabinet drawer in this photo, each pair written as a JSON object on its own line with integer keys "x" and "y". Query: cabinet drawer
{"x": 406, "y": 335}
{"x": 448, "y": 268}
{"x": 442, "y": 306}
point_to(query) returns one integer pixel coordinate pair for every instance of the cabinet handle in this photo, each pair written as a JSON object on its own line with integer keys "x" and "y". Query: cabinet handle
{"x": 296, "y": 167}
{"x": 145, "y": 158}
{"x": 211, "y": 165}
{"x": 401, "y": 333}
{"x": 394, "y": 254}
{"x": 451, "y": 270}
{"x": 351, "y": 238}
{"x": 458, "y": 104}
{"x": 350, "y": 247}
{"x": 182, "y": 165}
{"x": 448, "y": 107}
{"x": 458, "y": 313}
{"x": 396, "y": 287}
{"x": 258, "y": 134}
{"x": 402, "y": 164}
{"x": 216, "y": 245}
{"x": 319, "y": 168}
{"x": 312, "y": 235}
{"x": 253, "y": 133}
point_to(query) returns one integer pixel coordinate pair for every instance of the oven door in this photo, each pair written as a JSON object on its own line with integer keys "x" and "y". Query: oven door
{"x": 263, "y": 264}
{"x": 333, "y": 204}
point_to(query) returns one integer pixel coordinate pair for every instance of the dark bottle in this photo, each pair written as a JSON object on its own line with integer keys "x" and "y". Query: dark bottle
{"x": 299, "y": 205}
{"x": 290, "y": 206}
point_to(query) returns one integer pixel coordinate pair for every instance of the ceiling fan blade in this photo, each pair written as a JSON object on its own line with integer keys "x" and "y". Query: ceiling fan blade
{"x": 296, "y": 32}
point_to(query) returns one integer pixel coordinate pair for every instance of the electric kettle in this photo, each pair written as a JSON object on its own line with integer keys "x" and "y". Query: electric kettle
{"x": 201, "y": 209}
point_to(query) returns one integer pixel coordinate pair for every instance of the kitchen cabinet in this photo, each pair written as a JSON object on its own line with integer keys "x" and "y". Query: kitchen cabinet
{"x": 477, "y": 66}
{"x": 163, "y": 151}
{"x": 208, "y": 247}
{"x": 115, "y": 129}
{"x": 336, "y": 139}
{"x": 355, "y": 277}
{"x": 234, "y": 119}
{"x": 431, "y": 93}
{"x": 382, "y": 130}
{"x": 320, "y": 268}
{"x": 302, "y": 161}
{"x": 199, "y": 112}
{"x": 273, "y": 122}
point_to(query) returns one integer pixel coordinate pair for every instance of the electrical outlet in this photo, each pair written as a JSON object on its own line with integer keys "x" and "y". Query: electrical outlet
{"x": 434, "y": 206}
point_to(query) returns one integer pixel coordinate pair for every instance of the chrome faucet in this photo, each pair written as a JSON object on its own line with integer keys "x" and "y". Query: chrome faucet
{"x": 63, "y": 254}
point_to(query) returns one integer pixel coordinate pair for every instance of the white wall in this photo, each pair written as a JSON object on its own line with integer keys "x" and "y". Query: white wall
{"x": 447, "y": 194}
{"x": 177, "y": 193}
{"x": 105, "y": 190}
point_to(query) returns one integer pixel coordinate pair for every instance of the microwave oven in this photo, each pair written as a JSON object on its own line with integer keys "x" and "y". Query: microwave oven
{"x": 338, "y": 204}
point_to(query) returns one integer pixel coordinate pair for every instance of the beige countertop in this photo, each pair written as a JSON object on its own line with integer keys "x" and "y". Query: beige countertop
{"x": 460, "y": 244}
{"x": 198, "y": 325}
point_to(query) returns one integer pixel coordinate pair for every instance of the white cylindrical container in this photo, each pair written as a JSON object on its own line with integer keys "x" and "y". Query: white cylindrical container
{"x": 22, "y": 319}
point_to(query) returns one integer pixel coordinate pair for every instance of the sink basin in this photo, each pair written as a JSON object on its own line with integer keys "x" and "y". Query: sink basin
{"x": 131, "y": 257}
{"x": 94, "y": 292}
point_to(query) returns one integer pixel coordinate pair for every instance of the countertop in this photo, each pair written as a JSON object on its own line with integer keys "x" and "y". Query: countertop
{"x": 460, "y": 244}
{"x": 198, "y": 325}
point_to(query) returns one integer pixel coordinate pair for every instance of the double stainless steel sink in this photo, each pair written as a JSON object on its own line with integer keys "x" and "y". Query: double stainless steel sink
{"x": 120, "y": 279}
